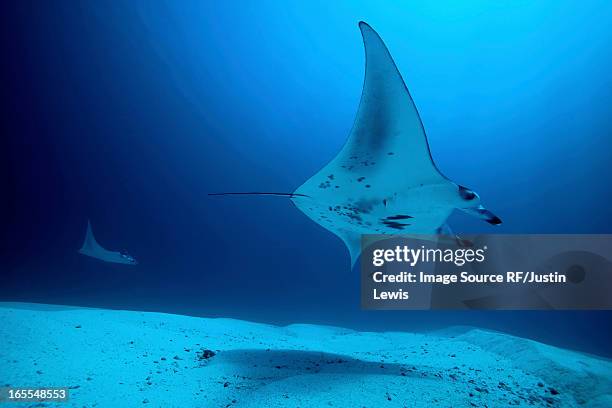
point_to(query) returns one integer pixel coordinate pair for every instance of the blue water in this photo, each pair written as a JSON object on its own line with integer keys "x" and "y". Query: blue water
{"x": 130, "y": 113}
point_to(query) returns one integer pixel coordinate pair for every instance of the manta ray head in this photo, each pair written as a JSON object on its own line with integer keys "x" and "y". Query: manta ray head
{"x": 127, "y": 258}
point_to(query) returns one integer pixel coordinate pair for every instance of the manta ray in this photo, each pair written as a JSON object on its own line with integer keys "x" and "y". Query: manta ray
{"x": 93, "y": 249}
{"x": 384, "y": 180}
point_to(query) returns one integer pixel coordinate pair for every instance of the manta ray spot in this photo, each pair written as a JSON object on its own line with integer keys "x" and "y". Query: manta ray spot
{"x": 399, "y": 217}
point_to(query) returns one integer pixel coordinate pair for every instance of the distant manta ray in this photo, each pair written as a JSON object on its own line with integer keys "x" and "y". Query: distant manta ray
{"x": 93, "y": 249}
{"x": 384, "y": 180}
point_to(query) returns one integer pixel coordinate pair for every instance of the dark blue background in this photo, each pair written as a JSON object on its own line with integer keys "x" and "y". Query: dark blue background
{"x": 129, "y": 113}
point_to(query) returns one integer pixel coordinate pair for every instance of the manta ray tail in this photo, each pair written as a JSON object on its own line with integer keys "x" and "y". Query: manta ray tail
{"x": 290, "y": 195}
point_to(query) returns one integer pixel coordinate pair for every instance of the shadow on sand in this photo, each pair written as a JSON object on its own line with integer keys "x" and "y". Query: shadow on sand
{"x": 280, "y": 364}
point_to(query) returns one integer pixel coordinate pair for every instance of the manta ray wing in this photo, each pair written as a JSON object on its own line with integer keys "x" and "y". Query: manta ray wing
{"x": 386, "y": 152}
{"x": 387, "y": 136}
{"x": 352, "y": 241}
{"x": 90, "y": 245}
{"x": 387, "y": 148}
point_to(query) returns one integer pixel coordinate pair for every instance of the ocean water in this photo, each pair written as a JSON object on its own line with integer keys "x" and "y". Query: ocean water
{"x": 128, "y": 113}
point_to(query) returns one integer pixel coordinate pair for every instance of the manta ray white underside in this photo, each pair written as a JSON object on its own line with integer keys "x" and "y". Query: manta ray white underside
{"x": 384, "y": 180}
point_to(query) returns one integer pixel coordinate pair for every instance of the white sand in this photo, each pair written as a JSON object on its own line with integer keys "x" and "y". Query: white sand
{"x": 133, "y": 359}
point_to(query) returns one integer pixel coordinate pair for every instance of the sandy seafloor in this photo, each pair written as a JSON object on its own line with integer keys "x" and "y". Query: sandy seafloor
{"x": 115, "y": 358}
